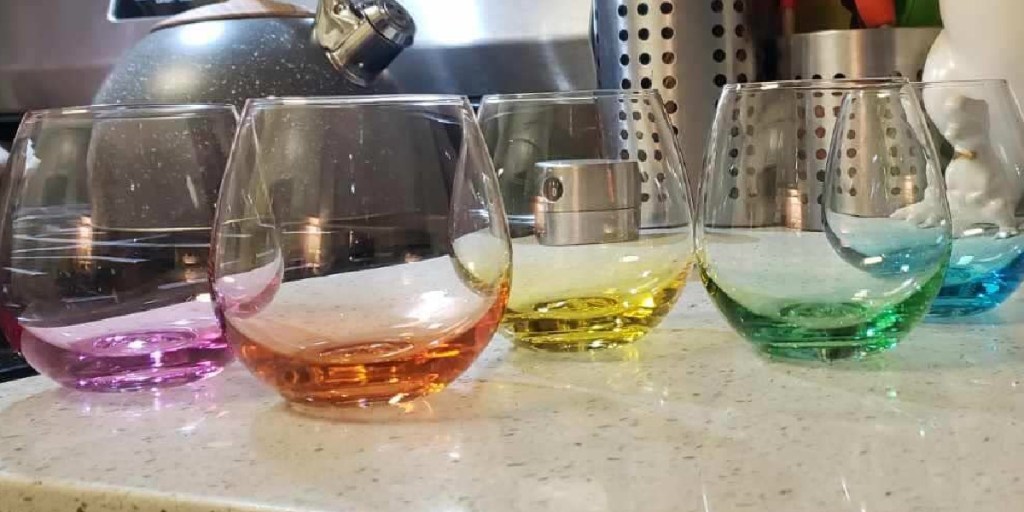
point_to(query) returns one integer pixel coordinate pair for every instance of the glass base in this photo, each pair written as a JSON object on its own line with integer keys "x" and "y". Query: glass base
{"x": 577, "y": 341}
{"x": 366, "y": 374}
{"x": 976, "y": 296}
{"x": 130, "y": 361}
{"x": 589, "y": 323}
{"x": 825, "y": 331}
{"x": 325, "y": 404}
{"x": 349, "y": 373}
{"x": 953, "y": 308}
{"x": 841, "y": 349}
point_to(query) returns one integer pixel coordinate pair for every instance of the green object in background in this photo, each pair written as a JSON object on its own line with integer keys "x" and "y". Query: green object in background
{"x": 918, "y": 13}
{"x": 816, "y": 15}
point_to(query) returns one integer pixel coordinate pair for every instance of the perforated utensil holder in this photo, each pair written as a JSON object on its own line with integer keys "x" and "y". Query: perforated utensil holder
{"x": 687, "y": 49}
{"x": 840, "y": 54}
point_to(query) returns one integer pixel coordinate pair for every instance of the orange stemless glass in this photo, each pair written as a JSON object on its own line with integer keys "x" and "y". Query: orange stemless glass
{"x": 361, "y": 252}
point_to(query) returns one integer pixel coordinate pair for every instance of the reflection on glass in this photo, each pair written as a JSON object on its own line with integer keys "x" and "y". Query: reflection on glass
{"x": 824, "y": 230}
{"x": 361, "y": 249}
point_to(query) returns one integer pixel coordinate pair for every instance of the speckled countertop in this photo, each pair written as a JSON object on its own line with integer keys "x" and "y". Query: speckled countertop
{"x": 690, "y": 419}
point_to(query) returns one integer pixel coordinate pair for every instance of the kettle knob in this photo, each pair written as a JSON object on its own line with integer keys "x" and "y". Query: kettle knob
{"x": 362, "y": 37}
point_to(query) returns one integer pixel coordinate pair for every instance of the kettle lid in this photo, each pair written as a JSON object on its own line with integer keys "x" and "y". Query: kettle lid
{"x": 234, "y": 10}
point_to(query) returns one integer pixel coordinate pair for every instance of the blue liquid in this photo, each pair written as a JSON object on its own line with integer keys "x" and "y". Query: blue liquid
{"x": 980, "y": 294}
{"x": 983, "y": 272}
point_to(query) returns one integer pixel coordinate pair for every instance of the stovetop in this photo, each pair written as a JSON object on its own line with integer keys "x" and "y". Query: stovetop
{"x": 12, "y": 366}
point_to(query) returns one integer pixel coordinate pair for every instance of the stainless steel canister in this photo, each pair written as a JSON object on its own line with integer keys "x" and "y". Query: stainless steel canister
{"x": 772, "y": 174}
{"x": 839, "y": 54}
{"x": 582, "y": 202}
{"x": 866, "y": 53}
{"x": 651, "y": 144}
{"x": 687, "y": 49}
{"x": 750, "y": 123}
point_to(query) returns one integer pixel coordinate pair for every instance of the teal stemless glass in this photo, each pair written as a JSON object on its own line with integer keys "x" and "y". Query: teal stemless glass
{"x": 823, "y": 229}
{"x": 981, "y": 125}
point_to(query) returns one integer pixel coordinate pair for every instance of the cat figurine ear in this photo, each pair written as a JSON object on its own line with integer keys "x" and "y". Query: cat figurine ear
{"x": 967, "y": 128}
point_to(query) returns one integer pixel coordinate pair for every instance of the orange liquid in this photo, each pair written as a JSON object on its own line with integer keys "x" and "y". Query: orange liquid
{"x": 354, "y": 372}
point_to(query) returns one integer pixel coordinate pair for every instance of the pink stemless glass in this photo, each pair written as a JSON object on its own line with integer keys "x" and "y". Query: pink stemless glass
{"x": 106, "y": 236}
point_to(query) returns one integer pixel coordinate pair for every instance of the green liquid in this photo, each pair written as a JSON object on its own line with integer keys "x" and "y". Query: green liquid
{"x": 804, "y": 330}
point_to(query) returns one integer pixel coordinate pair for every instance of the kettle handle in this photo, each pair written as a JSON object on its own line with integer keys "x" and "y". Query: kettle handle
{"x": 361, "y": 38}
{"x": 335, "y": 20}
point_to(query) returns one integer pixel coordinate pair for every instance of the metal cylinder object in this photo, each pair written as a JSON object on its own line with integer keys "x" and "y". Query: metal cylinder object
{"x": 362, "y": 37}
{"x": 581, "y": 202}
{"x": 778, "y": 180}
{"x": 687, "y": 49}
{"x": 752, "y": 162}
{"x": 651, "y": 145}
{"x": 866, "y": 53}
{"x": 839, "y": 54}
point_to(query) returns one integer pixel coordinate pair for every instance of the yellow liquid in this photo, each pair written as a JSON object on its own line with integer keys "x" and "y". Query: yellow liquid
{"x": 589, "y": 297}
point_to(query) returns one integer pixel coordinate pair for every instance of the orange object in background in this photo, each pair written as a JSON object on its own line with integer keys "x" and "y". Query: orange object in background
{"x": 802, "y": 16}
{"x": 877, "y": 13}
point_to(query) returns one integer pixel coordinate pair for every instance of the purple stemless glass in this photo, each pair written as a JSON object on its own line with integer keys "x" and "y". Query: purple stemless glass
{"x": 105, "y": 243}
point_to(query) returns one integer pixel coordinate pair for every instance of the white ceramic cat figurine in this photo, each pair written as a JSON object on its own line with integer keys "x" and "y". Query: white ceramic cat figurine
{"x": 978, "y": 189}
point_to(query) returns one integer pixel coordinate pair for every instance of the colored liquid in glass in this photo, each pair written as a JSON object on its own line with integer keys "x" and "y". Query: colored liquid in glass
{"x": 825, "y": 330}
{"x": 130, "y": 360}
{"x": 983, "y": 272}
{"x": 112, "y": 310}
{"x": 808, "y": 295}
{"x": 324, "y": 340}
{"x": 594, "y": 296}
{"x": 342, "y": 370}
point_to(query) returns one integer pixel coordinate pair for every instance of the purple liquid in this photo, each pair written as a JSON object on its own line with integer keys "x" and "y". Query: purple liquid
{"x": 127, "y": 361}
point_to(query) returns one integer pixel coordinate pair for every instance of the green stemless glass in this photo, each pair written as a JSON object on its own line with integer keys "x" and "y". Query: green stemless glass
{"x": 823, "y": 227}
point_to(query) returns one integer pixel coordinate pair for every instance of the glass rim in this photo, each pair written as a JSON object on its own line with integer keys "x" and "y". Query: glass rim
{"x": 571, "y": 95}
{"x": 986, "y": 82}
{"x": 821, "y": 84}
{"x": 129, "y": 111}
{"x": 360, "y": 100}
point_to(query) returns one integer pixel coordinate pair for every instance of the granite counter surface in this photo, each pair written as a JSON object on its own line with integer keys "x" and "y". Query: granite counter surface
{"x": 691, "y": 418}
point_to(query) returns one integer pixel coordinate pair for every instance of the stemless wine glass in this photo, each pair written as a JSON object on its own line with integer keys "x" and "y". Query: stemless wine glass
{"x": 361, "y": 250}
{"x": 595, "y": 191}
{"x": 819, "y": 246}
{"x": 980, "y": 122}
{"x": 106, "y": 238}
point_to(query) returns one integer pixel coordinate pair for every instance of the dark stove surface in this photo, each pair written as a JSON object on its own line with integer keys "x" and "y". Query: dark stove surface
{"x": 12, "y": 366}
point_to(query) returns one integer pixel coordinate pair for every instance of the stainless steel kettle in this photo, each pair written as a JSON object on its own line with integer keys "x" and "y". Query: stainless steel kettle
{"x": 240, "y": 49}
